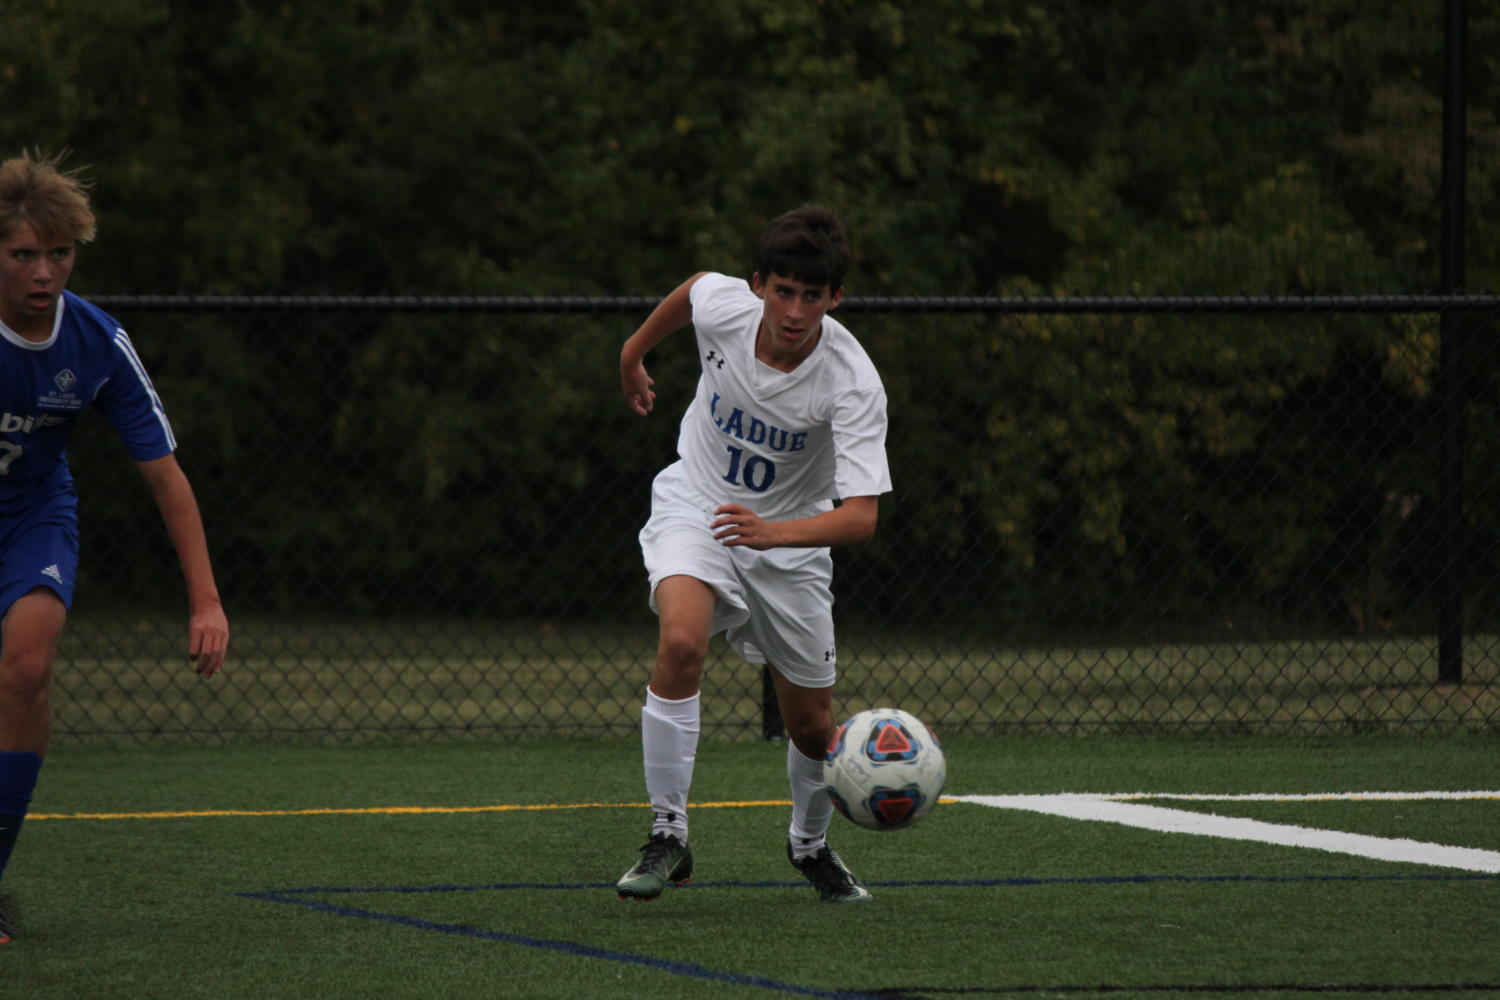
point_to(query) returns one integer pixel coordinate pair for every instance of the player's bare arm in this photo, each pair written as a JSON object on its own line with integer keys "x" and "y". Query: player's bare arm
{"x": 208, "y": 628}
{"x": 852, "y": 521}
{"x": 670, "y": 315}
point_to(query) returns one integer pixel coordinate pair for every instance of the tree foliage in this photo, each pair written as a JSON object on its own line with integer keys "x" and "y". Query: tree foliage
{"x": 603, "y": 147}
{"x": 437, "y": 146}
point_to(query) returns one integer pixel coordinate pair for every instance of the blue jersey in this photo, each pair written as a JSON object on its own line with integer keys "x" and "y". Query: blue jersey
{"x": 88, "y": 360}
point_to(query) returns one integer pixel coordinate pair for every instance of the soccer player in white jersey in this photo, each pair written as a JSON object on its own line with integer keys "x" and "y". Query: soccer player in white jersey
{"x": 59, "y": 354}
{"x": 789, "y": 416}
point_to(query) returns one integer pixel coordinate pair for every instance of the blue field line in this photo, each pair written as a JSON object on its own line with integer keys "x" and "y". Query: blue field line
{"x": 298, "y": 897}
{"x": 550, "y": 944}
{"x": 1014, "y": 881}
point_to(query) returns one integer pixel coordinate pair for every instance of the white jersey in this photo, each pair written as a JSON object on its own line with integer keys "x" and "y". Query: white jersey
{"x": 779, "y": 442}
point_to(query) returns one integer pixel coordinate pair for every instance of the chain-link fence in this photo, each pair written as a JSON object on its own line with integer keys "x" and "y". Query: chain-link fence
{"x": 1108, "y": 515}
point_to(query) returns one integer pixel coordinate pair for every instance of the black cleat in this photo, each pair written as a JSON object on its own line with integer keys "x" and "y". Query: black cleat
{"x": 826, "y": 871}
{"x": 7, "y": 919}
{"x": 663, "y": 859}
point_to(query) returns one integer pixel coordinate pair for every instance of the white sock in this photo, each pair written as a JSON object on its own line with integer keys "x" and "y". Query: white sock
{"x": 811, "y": 807}
{"x": 669, "y": 744}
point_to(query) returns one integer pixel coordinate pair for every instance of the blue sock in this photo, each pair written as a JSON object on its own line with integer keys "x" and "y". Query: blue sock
{"x": 18, "y": 773}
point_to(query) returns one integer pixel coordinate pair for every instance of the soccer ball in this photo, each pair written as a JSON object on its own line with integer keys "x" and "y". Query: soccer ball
{"x": 884, "y": 769}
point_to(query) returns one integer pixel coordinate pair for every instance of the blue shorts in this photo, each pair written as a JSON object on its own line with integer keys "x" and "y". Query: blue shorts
{"x": 39, "y": 548}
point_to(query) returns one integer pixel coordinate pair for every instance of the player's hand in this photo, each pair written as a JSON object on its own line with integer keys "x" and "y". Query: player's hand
{"x": 208, "y": 640}
{"x": 737, "y": 525}
{"x": 636, "y": 386}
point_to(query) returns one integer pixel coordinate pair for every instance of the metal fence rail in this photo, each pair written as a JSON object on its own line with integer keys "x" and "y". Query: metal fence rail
{"x": 1109, "y": 514}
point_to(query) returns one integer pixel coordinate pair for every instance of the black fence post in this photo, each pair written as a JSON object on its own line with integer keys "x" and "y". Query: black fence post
{"x": 771, "y": 726}
{"x": 1450, "y": 377}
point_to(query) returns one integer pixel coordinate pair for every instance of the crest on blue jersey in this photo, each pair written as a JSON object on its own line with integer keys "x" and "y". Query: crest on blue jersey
{"x": 65, "y": 380}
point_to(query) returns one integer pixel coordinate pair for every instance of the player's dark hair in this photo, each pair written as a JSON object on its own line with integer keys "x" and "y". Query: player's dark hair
{"x": 807, "y": 244}
{"x": 34, "y": 189}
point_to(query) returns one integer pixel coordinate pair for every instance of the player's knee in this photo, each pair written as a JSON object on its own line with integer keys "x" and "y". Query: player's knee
{"x": 682, "y": 652}
{"x": 25, "y": 677}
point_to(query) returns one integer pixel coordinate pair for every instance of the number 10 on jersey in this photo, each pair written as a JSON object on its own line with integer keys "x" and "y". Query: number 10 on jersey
{"x": 756, "y": 472}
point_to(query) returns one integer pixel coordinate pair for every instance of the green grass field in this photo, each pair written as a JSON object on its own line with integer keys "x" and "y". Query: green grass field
{"x": 292, "y": 872}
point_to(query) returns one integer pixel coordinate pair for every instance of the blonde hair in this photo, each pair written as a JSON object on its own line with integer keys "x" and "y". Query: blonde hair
{"x": 34, "y": 189}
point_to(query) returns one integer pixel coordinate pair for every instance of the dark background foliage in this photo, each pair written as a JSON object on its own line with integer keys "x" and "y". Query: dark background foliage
{"x": 439, "y": 147}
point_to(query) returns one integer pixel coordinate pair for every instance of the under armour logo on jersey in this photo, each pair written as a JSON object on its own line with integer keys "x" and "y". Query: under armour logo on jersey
{"x": 828, "y": 656}
{"x": 713, "y": 356}
{"x": 53, "y": 572}
{"x": 65, "y": 380}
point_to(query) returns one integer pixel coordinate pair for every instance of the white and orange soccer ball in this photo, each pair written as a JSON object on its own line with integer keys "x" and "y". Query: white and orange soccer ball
{"x": 884, "y": 769}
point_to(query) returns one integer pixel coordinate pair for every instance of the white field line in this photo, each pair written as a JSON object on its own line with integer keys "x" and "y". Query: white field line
{"x": 1307, "y": 796}
{"x": 1110, "y": 809}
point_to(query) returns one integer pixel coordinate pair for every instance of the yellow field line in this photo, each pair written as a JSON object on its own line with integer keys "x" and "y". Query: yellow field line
{"x": 557, "y": 807}
{"x": 392, "y": 810}
{"x": 402, "y": 810}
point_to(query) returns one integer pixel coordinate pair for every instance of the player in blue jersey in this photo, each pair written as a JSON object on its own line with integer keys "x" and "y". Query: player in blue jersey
{"x": 59, "y": 354}
{"x": 789, "y": 416}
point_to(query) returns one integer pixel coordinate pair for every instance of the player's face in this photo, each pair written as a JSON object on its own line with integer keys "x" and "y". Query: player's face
{"x": 33, "y": 273}
{"x": 793, "y": 317}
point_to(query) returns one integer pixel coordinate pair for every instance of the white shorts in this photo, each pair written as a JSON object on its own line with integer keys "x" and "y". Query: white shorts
{"x": 774, "y": 606}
